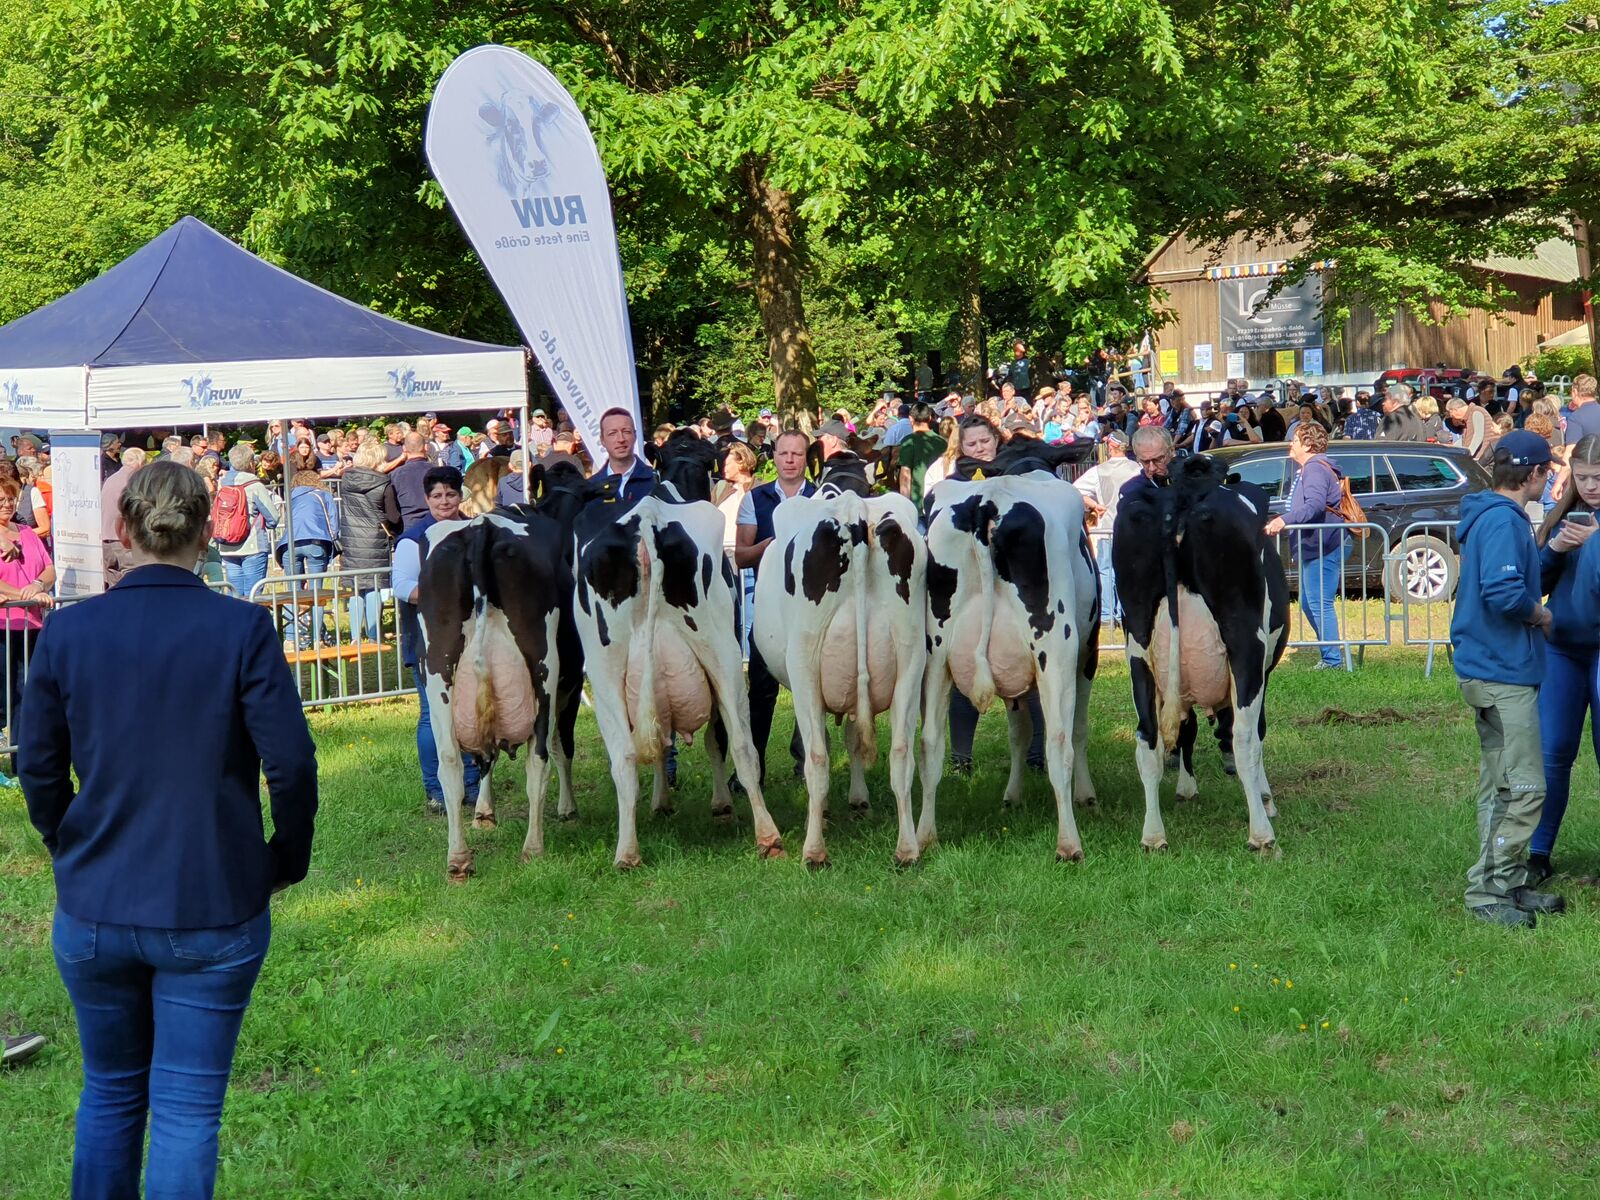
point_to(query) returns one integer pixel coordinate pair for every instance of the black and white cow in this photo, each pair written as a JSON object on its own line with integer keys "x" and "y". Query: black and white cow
{"x": 516, "y": 124}
{"x": 656, "y": 615}
{"x": 1206, "y": 607}
{"x": 501, "y": 660}
{"x": 1013, "y": 603}
{"x": 840, "y": 621}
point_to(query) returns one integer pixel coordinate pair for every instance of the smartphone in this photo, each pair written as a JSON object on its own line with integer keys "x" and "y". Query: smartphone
{"x": 1581, "y": 518}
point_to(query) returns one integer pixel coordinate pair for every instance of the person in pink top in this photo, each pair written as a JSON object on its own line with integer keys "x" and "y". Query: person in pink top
{"x": 26, "y": 578}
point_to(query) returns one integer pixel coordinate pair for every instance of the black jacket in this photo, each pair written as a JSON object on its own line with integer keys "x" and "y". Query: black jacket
{"x": 363, "y": 540}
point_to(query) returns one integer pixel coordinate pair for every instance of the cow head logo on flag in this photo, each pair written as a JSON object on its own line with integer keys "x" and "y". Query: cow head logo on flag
{"x": 517, "y": 162}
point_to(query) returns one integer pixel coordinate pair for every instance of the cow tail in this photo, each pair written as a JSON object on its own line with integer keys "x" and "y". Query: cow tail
{"x": 1171, "y": 712}
{"x": 648, "y": 735}
{"x": 478, "y": 642}
{"x": 866, "y": 734}
{"x": 982, "y": 677}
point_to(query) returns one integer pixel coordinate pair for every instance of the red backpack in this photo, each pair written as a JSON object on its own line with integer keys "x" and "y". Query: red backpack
{"x": 230, "y": 514}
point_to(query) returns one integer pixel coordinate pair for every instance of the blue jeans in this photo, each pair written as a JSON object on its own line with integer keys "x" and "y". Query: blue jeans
{"x": 244, "y": 573}
{"x": 1569, "y": 693}
{"x": 1110, "y": 609}
{"x": 366, "y": 608}
{"x": 310, "y": 559}
{"x": 158, "y": 1013}
{"x": 428, "y": 753}
{"x": 1321, "y": 583}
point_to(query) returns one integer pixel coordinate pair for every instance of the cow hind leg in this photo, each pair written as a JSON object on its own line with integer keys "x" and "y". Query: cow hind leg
{"x": 902, "y": 743}
{"x": 452, "y": 780}
{"x": 1187, "y": 788}
{"x": 855, "y": 740}
{"x": 1082, "y": 782}
{"x": 717, "y": 755}
{"x": 935, "y": 723}
{"x": 1148, "y": 753}
{"x": 566, "y": 808}
{"x": 1019, "y": 728}
{"x": 812, "y": 723}
{"x": 1252, "y": 774}
{"x": 483, "y": 811}
{"x": 1058, "y": 697}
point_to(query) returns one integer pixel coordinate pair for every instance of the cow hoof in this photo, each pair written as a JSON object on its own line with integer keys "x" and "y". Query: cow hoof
{"x": 1089, "y": 801}
{"x": 666, "y": 810}
{"x": 771, "y": 849}
{"x": 906, "y": 862}
{"x": 1069, "y": 854}
{"x": 1183, "y": 797}
{"x": 484, "y": 821}
{"x": 925, "y": 844}
{"x": 630, "y": 861}
{"x": 1155, "y": 845}
{"x": 529, "y": 855}
{"x": 567, "y": 816}
{"x": 725, "y": 812}
{"x": 1262, "y": 846}
{"x": 460, "y": 869}
{"x": 819, "y": 863}
{"x": 861, "y": 809}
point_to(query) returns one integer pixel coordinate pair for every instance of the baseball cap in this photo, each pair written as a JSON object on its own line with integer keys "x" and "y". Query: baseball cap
{"x": 766, "y": 414}
{"x": 834, "y": 428}
{"x": 539, "y": 412}
{"x": 1523, "y": 449}
{"x": 108, "y": 440}
{"x": 464, "y": 431}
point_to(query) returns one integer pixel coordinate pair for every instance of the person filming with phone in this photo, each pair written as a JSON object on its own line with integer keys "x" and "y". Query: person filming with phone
{"x": 1570, "y": 691}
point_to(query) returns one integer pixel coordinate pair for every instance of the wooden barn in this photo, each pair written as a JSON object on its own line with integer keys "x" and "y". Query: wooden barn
{"x": 1225, "y": 326}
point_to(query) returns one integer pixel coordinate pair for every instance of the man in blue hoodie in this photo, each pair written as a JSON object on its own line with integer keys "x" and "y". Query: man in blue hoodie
{"x": 1498, "y": 632}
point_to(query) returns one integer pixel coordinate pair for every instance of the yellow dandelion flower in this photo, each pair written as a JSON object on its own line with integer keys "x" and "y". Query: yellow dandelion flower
{"x": 561, "y": 1049}
{"x": 353, "y": 1071}
{"x": 358, "y": 881}
{"x": 1288, "y": 983}
{"x": 1405, "y": 999}
{"x": 1235, "y": 1008}
{"x": 1233, "y": 966}
{"x": 564, "y": 962}
{"x": 869, "y": 887}
{"x": 570, "y": 917}
{"x": 1302, "y": 1027}
{"x": 1324, "y": 1024}
{"x": 316, "y": 1070}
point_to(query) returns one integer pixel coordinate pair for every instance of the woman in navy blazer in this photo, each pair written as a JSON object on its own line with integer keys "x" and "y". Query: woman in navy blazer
{"x": 162, "y": 868}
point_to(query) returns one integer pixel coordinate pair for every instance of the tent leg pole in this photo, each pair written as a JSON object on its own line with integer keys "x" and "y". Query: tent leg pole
{"x": 527, "y": 452}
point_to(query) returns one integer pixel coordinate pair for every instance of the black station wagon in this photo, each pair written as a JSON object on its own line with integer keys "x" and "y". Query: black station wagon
{"x": 1398, "y": 484}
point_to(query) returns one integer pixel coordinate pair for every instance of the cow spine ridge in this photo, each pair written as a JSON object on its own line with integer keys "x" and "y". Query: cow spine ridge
{"x": 647, "y": 734}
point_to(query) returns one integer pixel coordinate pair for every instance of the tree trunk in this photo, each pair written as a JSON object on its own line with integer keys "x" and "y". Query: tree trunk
{"x": 778, "y": 295}
{"x": 971, "y": 317}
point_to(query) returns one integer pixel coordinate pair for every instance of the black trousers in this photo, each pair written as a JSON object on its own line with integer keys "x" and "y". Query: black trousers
{"x": 763, "y": 699}
{"x": 964, "y": 724}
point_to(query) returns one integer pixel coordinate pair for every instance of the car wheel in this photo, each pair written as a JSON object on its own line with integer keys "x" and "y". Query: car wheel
{"x": 1424, "y": 571}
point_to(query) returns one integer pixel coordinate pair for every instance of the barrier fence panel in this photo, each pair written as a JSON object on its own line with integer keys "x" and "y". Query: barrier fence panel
{"x": 340, "y": 633}
{"x": 1359, "y": 601}
{"x": 1111, "y": 635}
{"x": 20, "y": 618}
{"x": 1425, "y": 570}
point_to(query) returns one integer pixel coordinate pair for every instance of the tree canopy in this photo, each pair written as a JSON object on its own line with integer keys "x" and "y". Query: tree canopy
{"x": 809, "y": 191}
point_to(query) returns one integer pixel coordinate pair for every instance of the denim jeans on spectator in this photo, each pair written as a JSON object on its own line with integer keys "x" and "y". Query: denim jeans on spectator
{"x": 1568, "y": 694}
{"x": 1110, "y": 610}
{"x": 310, "y": 560}
{"x": 366, "y": 608}
{"x": 428, "y": 753}
{"x": 159, "y": 1012}
{"x": 964, "y": 725}
{"x": 244, "y": 573}
{"x": 1321, "y": 584}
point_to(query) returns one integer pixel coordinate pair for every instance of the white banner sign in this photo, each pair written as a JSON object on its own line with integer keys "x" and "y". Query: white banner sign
{"x": 75, "y": 519}
{"x": 1235, "y": 365}
{"x": 39, "y": 397}
{"x": 516, "y": 161}
{"x": 314, "y": 388}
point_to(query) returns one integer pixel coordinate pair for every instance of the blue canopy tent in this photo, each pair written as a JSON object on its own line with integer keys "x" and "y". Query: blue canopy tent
{"x": 193, "y": 328}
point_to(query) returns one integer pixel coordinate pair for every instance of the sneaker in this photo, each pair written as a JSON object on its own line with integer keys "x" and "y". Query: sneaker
{"x": 1530, "y": 901}
{"x": 1539, "y": 869}
{"x": 435, "y": 806}
{"x": 1327, "y": 666}
{"x": 6, "y": 781}
{"x": 960, "y": 765}
{"x": 15, "y": 1051}
{"x": 1037, "y": 765}
{"x": 1507, "y": 915}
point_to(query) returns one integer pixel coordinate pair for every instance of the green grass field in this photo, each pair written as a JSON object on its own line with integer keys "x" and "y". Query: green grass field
{"x": 1207, "y": 1023}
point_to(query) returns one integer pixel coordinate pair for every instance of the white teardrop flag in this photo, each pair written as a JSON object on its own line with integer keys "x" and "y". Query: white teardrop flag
{"x": 517, "y": 162}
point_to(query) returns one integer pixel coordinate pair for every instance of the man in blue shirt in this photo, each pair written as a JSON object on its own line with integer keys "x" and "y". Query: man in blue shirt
{"x": 631, "y": 475}
{"x": 1498, "y": 632}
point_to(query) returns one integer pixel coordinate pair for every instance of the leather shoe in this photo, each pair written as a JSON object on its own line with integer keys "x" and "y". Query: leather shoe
{"x": 1530, "y": 901}
{"x": 1508, "y": 915}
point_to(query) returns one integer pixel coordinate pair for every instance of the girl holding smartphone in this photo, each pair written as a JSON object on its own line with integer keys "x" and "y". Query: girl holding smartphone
{"x": 1570, "y": 690}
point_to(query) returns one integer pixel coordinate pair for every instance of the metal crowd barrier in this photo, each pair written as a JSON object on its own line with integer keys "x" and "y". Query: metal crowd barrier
{"x": 1425, "y": 571}
{"x": 340, "y": 633}
{"x": 18, "y": 653}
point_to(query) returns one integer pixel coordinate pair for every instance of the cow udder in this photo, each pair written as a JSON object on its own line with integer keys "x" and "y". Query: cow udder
{"x": 838, "y": 670}
{"x": 1202, "y": 658}
{"x": 683, "y": 694}
{"x": 493, "y": 708}
{"x": 1010, "y": 658}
